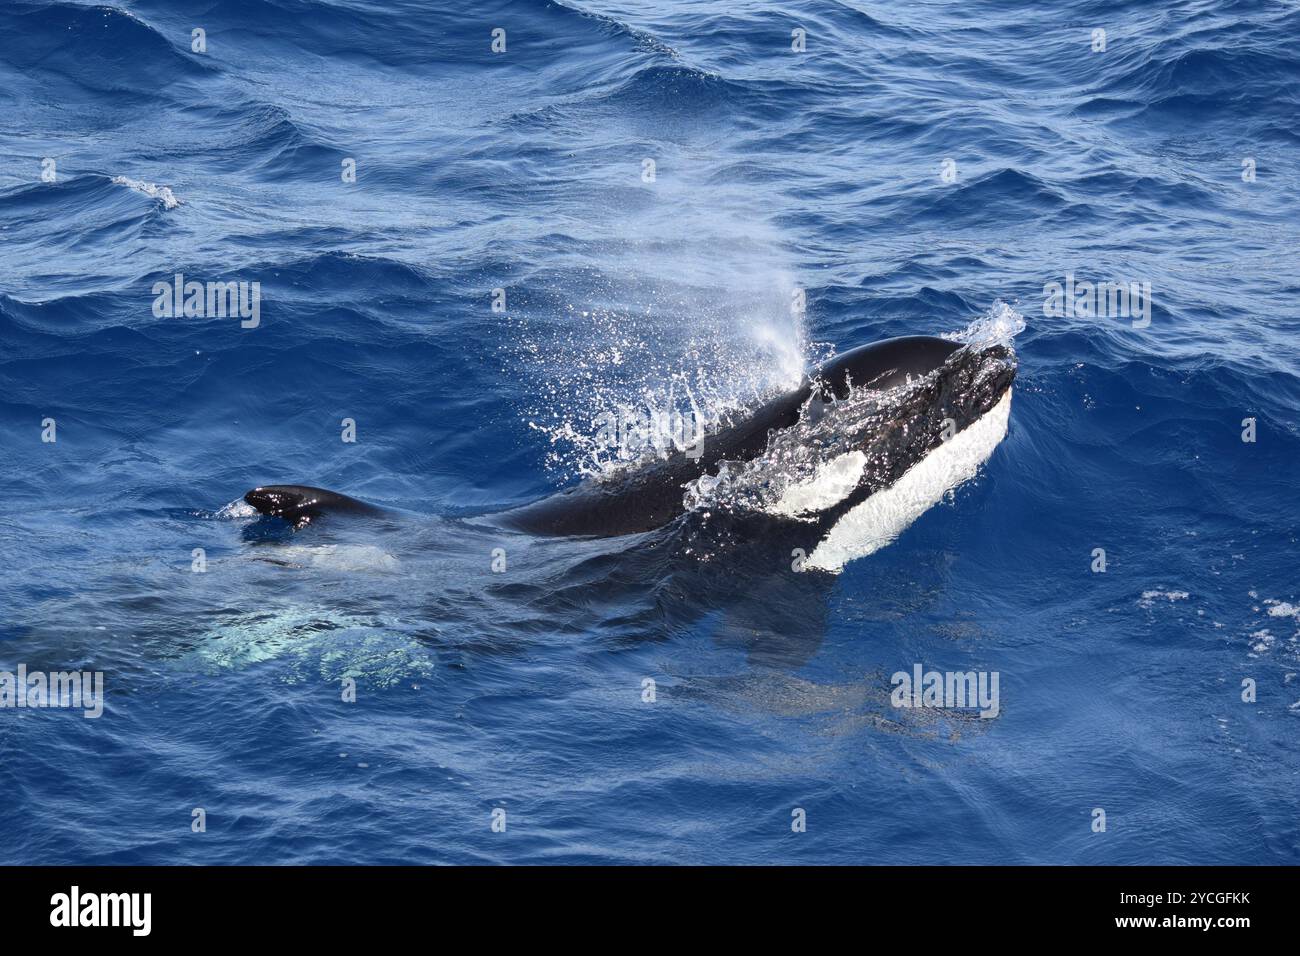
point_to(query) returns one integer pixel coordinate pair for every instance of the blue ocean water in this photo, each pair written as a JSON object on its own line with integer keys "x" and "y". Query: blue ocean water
{"x": 640, "y": 187}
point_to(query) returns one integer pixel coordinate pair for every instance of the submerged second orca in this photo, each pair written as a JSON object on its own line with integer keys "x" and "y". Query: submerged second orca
{"x": 932, "y": 389}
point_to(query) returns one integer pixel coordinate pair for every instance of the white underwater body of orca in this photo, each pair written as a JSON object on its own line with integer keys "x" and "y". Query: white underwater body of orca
{"x": 936, "y": 410}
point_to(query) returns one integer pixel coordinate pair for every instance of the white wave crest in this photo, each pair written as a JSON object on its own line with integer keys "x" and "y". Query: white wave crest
{"x": 162, "y": 193}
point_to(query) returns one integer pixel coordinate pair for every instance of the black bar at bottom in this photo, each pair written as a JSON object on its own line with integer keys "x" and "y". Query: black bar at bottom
{"x": 336, "y": 904}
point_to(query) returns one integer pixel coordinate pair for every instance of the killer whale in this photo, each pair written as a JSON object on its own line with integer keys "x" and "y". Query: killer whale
{"x": 651, "y": 496}
{"x": 949, "y": 386}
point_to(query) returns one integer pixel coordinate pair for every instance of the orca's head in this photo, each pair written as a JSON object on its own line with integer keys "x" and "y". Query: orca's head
{"x": 289, "y": 502}
{"x": 301, "y": 504}
{"x": 970, "y": 381}
{"x": 882, "y": 365}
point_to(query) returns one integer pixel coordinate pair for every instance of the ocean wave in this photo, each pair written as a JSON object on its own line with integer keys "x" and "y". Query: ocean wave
{"x": 97, "y": 48}
{"x": 266, "y": 137}
{"x": 1009, "y": 194}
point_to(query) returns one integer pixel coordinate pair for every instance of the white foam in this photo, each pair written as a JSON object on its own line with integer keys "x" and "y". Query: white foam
{"x": 833, "y": 482}
{"x": 1261, "y": 641}
{"x": 1282, "y": 609}
{"x": 239, "y": 508}
{"x": 876, "y": 522}
{"x": 161, "y": 193}
{"x": 337, "y": 557}
{"x": 1149, "y": 597}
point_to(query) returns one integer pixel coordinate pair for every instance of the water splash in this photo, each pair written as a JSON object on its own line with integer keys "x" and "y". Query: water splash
{"x": 613, "y": 385}
{"x": 237, "y": 509}
{"x": 998, "y": 326}
{"x": 802, "y": 464}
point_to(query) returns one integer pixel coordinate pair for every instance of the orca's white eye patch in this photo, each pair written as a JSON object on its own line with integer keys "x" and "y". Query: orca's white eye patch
{"x": 834, "y": 481}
